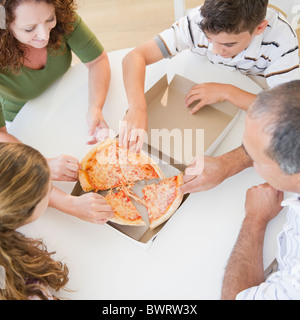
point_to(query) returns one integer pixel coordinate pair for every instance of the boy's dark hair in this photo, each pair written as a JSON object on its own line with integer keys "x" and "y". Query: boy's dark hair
{"x": 232, "y": 16}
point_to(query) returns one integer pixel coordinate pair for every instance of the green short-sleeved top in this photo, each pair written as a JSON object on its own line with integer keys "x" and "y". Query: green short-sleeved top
{"x": 17, "y": 89}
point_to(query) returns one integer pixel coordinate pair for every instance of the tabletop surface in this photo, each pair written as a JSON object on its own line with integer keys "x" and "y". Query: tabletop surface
{"x": 188, "y": 258}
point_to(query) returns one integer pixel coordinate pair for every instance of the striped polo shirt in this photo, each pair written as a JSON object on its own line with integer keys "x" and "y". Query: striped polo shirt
{"x": 273, "y": 55}
{"x": 285, "y": 283}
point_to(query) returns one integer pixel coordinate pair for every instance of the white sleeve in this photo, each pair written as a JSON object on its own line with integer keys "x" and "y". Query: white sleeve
{"x": 182, "y": 35}
{"x": 279, "y": 286}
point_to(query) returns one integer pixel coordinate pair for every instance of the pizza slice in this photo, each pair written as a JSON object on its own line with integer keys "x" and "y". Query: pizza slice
{"x": 162, "y": 199}
{"x": 125, "y": 211}
{"x": 107, "y": 166}
{"x": 137, "y": 167}
{"x": 100, "y": 169}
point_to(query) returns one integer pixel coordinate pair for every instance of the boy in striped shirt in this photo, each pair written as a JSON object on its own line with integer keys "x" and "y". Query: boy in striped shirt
{"x": 242, "y": 35}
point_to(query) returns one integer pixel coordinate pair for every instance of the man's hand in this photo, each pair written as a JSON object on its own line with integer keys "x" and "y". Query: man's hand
{"x": 207, "y": 172}
{"x": 202, "y": 174}
{"x": 263, "y": 203}
{"x": 64, "y": 168}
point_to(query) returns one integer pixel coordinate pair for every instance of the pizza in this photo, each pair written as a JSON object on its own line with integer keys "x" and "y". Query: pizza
{"x": 162, "y": 199}
{"x": 123, "y": 208}
{"x": 137, "y": 167}
{"x": 98, "y": 169}
{"x": 107, "y": 166}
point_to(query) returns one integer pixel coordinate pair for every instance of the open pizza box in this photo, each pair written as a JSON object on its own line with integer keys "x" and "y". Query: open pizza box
{"x": 174, "y": 138}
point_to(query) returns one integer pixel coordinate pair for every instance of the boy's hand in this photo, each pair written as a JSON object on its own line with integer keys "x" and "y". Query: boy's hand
{"x": 205, "y": 93}
{"x": 133, "y": 129}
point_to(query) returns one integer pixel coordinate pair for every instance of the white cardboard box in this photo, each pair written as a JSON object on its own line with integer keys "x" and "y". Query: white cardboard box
{"x": 167, "y": 112}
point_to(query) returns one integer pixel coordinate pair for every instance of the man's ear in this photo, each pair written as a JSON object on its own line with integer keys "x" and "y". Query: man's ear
{"x": 261, "y": 27}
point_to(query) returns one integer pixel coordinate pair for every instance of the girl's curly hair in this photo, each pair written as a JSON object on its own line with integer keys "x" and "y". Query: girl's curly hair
{"x": 12, "y": 52}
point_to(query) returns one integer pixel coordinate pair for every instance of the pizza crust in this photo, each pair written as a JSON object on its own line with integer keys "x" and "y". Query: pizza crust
{"x": 83, "y": 176}
{"x": 119, "y": 220}
{"x": 91, "y": 153}
{"x": 84, "y": 180}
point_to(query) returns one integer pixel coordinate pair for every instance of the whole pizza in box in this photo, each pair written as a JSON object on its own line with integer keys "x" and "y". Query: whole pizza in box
{"x": 108, "y": 166}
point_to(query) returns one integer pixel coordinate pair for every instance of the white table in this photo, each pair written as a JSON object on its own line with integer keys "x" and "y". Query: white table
{"x": 188, "y": 258}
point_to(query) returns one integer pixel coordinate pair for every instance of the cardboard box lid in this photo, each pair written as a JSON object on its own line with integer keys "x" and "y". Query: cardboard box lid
{"x": 191, "y": 135}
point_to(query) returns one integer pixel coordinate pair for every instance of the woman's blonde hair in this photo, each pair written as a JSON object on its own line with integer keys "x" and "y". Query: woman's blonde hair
{"x": 24, "y": 182}
{"x": 12, "y": 52}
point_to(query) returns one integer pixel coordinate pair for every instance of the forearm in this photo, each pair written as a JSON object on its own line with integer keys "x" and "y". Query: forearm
{"x": 61, "y": 201}
{"x": 245, "y": 265}
{"x": 134, "y": 71}
{"x": 99, "y": 80}
{"x": 240, "y": 98}
{"x": 235, "y": 161}
{"x": 90, "y": 207}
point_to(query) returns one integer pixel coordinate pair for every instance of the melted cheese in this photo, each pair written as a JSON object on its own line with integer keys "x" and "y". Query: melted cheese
{"x": 159, "y": 197}
{"x": 122, "y": 206}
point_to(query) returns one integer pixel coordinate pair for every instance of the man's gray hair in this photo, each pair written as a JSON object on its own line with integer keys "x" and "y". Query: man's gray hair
{"x": 279, "y": 109}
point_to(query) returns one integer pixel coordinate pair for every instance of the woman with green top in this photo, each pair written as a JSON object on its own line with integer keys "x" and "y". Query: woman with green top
{"x": 36, "y": 42}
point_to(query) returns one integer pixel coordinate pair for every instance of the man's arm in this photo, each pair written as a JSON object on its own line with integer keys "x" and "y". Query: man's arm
{"x": 245, "y": 265}
{"x": 201, "y": 176}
